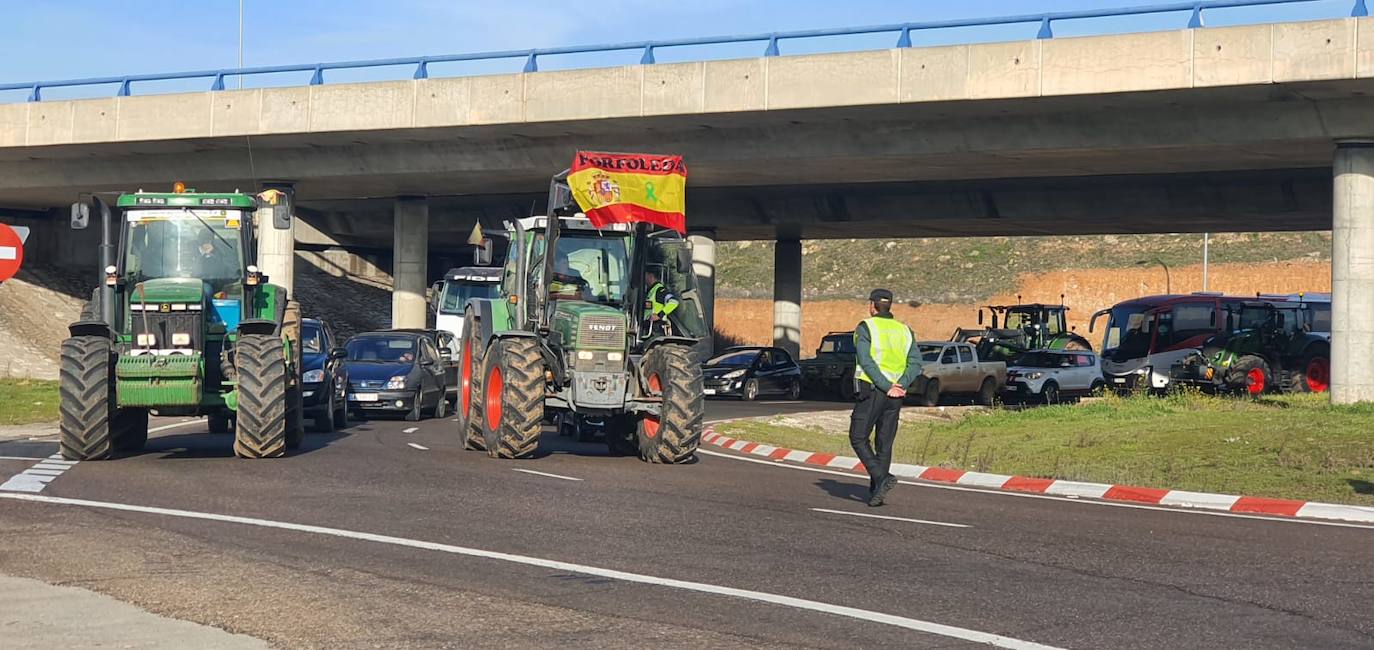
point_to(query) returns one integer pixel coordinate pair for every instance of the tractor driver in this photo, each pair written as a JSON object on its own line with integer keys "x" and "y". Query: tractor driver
{"x": 659, "y": 302}
{"x": 567, "y": 283}
{"x": 214, "y": 263}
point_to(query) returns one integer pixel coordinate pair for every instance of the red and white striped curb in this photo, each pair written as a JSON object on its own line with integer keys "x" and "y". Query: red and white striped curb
{"x": 1077, "y": 489}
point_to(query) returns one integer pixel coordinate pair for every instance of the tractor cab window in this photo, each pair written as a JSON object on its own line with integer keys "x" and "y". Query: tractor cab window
{"x": 200, "y": 244}
{"x": 590, "y": 267}
{"x": 672, "y": 257}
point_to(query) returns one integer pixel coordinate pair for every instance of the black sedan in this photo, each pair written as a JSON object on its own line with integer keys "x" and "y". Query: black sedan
{"x": 396, "y": 372}
{"x": 324, "y": 382}
{"x": 748, "y": 372}
{"x": 449, "y": 352}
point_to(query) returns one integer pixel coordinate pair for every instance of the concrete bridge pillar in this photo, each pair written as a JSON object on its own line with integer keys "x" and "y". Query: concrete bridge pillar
{"x": 1352, "y": 274}
{"x": 787, "y": 295}
{"x": 704, "y": 265}
{"x": 277, "y": 247}
{"x": 410, "y": 262}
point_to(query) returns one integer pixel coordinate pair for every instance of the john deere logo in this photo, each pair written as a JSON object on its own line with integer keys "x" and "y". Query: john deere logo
{"x": 164, "y": 307}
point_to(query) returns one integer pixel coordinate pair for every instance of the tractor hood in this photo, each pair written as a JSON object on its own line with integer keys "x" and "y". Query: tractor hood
{"x": 590, "y": 326}
{"x": 170, "y": 290}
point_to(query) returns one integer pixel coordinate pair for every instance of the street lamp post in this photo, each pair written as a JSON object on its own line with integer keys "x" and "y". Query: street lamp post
{"x": 1168, "y": 281}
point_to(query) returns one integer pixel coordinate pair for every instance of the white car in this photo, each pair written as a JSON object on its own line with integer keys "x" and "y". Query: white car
{"x": 1051, "y": 376}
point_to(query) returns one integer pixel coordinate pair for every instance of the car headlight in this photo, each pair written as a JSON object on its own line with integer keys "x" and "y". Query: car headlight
{"x": 396, "y": 383}
{"x": 313, "y": 376}
{"x": 733, "y": 374}
{"x": 1035, "y": 375}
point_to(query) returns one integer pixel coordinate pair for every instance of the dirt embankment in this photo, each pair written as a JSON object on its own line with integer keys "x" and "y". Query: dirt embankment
{"x": 1085, "y": 291}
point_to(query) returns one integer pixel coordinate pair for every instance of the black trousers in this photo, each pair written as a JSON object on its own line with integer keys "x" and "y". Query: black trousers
{"x": 874, "y": 411}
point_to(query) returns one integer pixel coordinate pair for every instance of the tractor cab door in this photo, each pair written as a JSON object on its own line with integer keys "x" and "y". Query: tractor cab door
{"x": 671, "y": 255}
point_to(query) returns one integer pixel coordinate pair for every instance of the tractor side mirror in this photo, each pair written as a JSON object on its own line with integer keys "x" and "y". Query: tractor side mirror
{"x": 281, "y": 216}
{"x": 81, "y": 215}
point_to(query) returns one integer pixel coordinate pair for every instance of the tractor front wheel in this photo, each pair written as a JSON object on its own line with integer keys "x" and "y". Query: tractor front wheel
{"x": 85, "y": 399}
{"x": 262, "y": 422}
{"x": 1314, "y": 375}
{"x": 672, "y": 435}
{"x": 512, "y": 396}
{"x": 468, "y": 408}
{"x": 1250, "y": 375}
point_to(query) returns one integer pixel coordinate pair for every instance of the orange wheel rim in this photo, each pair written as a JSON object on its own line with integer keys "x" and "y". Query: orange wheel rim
{"x": 652, "y": 422}
{"x": 493, "y": 401}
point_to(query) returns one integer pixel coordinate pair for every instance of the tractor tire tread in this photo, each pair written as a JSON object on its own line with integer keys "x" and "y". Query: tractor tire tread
{"x": 262, "y": 411}
{"x": 682, "y": 409}
{"x": 86, "y": 399}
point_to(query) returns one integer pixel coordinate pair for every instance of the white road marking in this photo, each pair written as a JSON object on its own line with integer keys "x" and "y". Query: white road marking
{"x": 530, "y": 471}
{"x": 420, "y": 447}
{"x": 868, "y": 516}
{"x": 411, "y": 430}
{"x": 19, "y": 458}
{"x": 699, "y": 587}
{"x": 1028, "y": 495}
{"x": 43, "y": 471}
{"x": 173, "y": 425}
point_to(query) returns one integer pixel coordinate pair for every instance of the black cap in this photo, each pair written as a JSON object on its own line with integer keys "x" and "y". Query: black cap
{"x": 880, "y": 295}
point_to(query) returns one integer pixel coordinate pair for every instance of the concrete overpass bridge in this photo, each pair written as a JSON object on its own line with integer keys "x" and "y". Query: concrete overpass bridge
{"x": 1191, "y": 130}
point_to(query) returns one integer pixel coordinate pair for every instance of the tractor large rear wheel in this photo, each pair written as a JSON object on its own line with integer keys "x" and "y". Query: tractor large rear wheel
{"x": 86, "y": 397}
{"x": 512, "y": 398}
{"x": 1250, "y": 375}
{"x": 261, "y": 425}
{"x": 469, "y": 406}
{"x": 1314, "y": 373}
{"x": 671, "y": 436}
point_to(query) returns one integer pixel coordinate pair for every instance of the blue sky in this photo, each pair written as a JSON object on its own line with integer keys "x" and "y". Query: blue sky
{"x": 44, "y": 40}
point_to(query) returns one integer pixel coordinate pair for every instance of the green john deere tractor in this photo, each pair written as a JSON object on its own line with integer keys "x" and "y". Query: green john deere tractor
{"x": 1019, "y": 328}
{"x": 1266, "y": 346}
{"x": 568, "y": 334}
{"x": 182, "y": 324}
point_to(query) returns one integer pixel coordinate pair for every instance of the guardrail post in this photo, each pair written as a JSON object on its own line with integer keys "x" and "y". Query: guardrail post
{"x": 905, "y": 39}
{"x": 648, "y": 58}
{"x": 1045, "y": 31}
{"x": 422, "y": 70}
{"x": 1195, "y": 20}
{"x": 36, "y": 96}
{"x": 1359, "y": 10}
{"x": 123, "y": 88}
{"x": 772, "y": 49}
{"x": 530, "y": 64}
{"x": 219, "y": 82}
{"x": 317, "y": 79}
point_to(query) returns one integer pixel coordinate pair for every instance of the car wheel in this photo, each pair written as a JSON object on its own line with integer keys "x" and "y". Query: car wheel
{"x": 795, "y": 391}
{"x": 1099, "y": 388}
{"x": 931, "y": 396}
{"x": 1050, "y": 393}
{"x": 751, "y": 390}
{"x": 440, "y": 408}
{"x": 414, "y": 414}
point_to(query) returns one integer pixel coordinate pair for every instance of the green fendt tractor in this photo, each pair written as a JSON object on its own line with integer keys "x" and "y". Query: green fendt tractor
{"x": 1020, "y": 328}
{"x": 1266, "y": 346}
{"x": 568, "y": 333}
{"x": 182, "y": 324}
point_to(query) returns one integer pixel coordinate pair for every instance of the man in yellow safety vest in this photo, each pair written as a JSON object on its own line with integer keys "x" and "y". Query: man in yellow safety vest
{"x": 887, "y": 363}
{"x": 659, "y": 302}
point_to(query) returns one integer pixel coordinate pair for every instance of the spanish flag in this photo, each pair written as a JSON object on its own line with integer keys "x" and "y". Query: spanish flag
{"x": 630, "y": 188}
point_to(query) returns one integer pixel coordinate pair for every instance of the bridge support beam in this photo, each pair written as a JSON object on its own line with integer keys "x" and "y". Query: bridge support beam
{"x": 787, "y": 295}
{"x": 410, "y": 262}
{"x": 277, "y": 247}
{"x": 1352, "y": 274}
{"x": 704, "y": 265}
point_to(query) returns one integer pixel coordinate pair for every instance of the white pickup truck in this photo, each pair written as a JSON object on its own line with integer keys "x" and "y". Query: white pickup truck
{"x": 952, "y": 368}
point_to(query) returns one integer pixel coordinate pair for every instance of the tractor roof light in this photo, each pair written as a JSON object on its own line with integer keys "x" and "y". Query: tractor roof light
{"x": 178, "y": 187}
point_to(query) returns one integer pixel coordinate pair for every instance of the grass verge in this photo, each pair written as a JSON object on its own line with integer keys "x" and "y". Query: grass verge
{"x": 1295, "y": 447}
{"x": 26, "y": 401}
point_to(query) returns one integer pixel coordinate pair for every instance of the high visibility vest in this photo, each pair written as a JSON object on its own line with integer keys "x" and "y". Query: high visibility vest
{"x": 890, "y": 340}
{"x": 656, "y": 307}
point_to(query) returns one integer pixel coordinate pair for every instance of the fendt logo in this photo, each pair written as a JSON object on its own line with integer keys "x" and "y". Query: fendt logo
{"x": 600, "y": 327}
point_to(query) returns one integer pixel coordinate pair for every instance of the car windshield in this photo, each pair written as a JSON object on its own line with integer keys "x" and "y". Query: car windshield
{"x": 739, "y": 358}
{"x": 382, "y": 349}
{"x": 1041, "y": 360}
{"x": 456, "y": 294}
{"x": 840, "y": 344}
{"x": 183, "y": 243}
{"x": 931, "y": 353}
{"x": 312, "y": 339}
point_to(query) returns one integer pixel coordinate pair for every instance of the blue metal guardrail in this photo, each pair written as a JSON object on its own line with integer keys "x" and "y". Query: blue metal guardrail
{"x": 903, "y": 30}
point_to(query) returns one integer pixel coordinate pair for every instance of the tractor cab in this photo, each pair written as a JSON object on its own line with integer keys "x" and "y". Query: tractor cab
{"x": 1006, "y": 331}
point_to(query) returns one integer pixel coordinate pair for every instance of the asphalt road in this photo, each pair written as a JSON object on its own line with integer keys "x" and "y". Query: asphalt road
{"x": 1045, "y": 571}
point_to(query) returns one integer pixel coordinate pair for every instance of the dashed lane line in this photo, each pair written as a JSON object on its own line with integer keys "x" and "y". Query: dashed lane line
{"x": 1048, "y": 497}
{"x": 35, "y": 478}
{"x": 420, "y": 447}
{"x": 411, "y": 430}
{"x": 890, "y": 518}
{"x": 913, "y": 624}
{"x": 19, "y": 458}
{"x": 559, "y": 476}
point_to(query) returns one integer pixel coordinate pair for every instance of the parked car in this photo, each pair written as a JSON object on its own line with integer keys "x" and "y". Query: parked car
{"x": 449, "y": 354}
{"x": 748, "y": 372}
{"x": 1051, "y": 376}
{"x": 324, "y": 379}
{"x": 831, "y": 372}
{"x": 396, "y": 372}
{"x": 953, "y": 368}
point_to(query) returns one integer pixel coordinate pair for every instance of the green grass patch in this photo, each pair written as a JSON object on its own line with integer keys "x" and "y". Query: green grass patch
{"x": 1297, "y": 447}
{"x": 26, "y": 401}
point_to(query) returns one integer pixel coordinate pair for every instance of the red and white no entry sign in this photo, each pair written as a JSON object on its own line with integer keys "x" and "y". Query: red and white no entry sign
{"x": 11, "y": 252}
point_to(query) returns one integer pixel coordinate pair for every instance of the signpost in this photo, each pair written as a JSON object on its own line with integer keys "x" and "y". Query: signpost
{"x": 11, "y": 249}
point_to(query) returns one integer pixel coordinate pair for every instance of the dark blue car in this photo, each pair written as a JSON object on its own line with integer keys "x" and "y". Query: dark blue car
{"x": 397, "y": 372}
{"x": 324, "y": 382}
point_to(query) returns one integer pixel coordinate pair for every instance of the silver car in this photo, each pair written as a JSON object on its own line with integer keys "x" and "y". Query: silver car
{"x": 1052, "y": 376}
